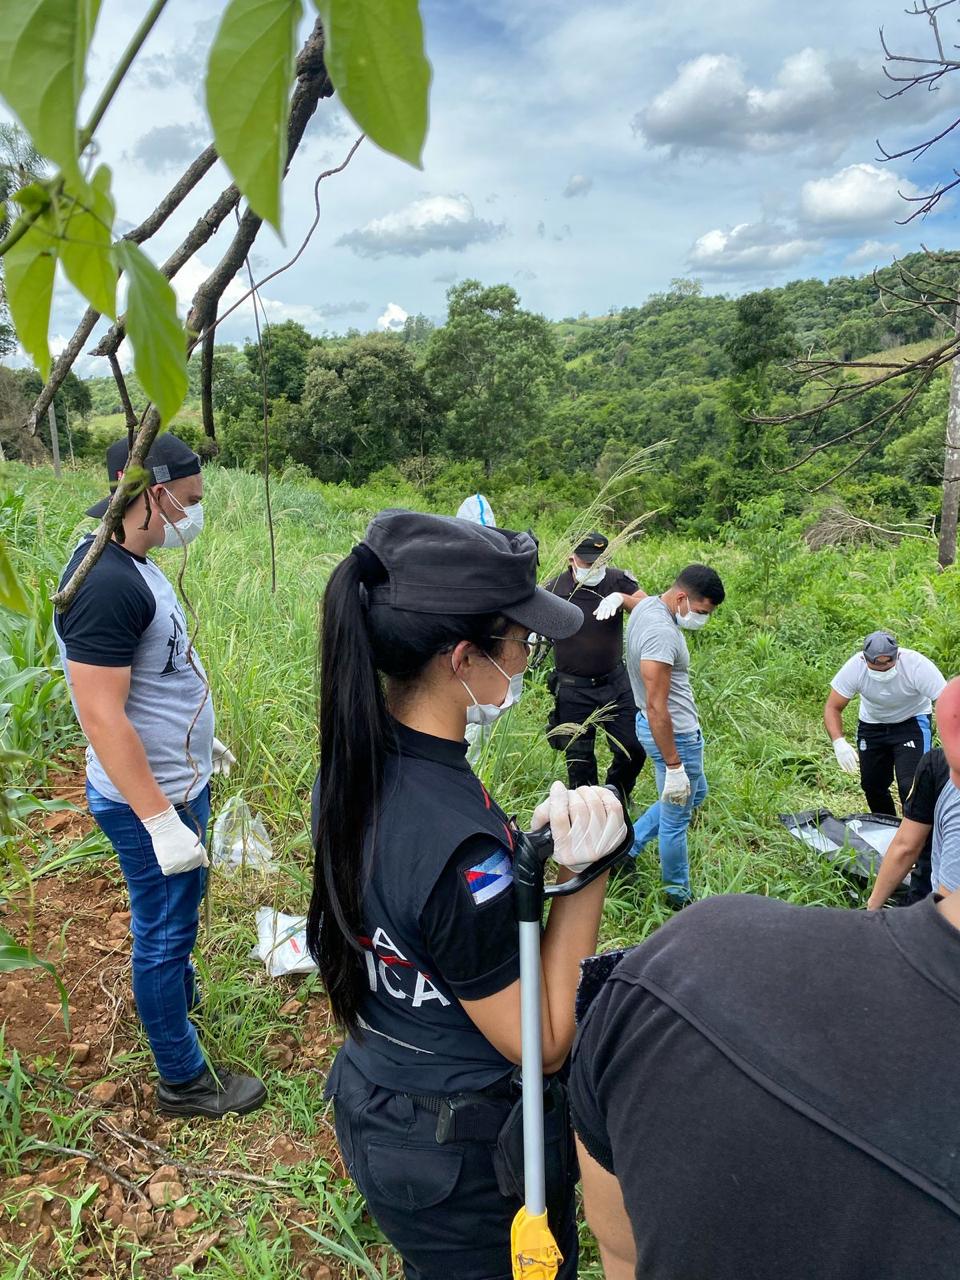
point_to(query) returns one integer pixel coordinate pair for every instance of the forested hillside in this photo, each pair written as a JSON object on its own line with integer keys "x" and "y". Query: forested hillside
{"x": 499, "y": 397}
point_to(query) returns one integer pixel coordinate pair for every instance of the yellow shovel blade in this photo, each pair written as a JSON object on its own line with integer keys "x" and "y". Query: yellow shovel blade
{"x": 533, "y": 1248}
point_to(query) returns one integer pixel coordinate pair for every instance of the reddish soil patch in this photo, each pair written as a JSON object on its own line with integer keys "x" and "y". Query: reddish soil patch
{"x": 82, "y": 926}
{"x": 66, "y": 781}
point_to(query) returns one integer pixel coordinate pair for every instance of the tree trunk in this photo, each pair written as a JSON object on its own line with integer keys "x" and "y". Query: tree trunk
{"x": 206, "y": 381}
{"x": 951, "y": 473}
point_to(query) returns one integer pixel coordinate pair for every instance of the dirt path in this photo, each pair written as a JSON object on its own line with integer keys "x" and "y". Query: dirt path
{"x": 80, "y": 922}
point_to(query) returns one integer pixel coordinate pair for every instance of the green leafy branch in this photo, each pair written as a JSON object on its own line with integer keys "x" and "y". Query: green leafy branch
{"x": 375, "y": 59}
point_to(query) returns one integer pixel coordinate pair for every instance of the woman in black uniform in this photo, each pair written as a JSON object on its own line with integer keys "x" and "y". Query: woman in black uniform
{"x": 425, "y": 629}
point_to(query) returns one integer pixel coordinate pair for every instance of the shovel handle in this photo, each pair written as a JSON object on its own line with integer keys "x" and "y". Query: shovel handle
{"x": 532, "y": 851}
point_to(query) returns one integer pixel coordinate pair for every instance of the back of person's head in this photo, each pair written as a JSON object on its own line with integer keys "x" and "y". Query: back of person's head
{"x": 700, "y": 582}
{"x": 414, "y": 588}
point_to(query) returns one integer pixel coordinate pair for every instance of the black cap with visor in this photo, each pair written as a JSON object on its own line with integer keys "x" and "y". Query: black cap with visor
{"x": 591, "y": 547}
{"x": 169, "y": 459}
{"x": 439, "y": 564}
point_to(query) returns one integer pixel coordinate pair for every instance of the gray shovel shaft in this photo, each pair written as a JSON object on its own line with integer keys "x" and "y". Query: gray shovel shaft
{"x": 531, "y": 1044}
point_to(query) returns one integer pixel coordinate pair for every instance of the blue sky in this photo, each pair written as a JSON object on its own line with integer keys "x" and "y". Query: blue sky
{"x": 587, "y": 154}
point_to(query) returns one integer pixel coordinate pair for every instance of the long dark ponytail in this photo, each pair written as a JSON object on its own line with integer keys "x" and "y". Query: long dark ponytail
{"x": 353, "y": 741}
{"x": 358, "y": 642}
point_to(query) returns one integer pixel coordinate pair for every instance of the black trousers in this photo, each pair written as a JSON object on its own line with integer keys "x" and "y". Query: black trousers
{"x": 888, "y": 751}
{"x": 440, "y": 1205}
{"x": 574, "y": 704}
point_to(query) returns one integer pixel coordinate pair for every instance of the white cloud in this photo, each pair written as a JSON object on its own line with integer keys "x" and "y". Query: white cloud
{"x": 859, "y": 196}
{"x": 393, "y": 318}
{"x": 578, "y": 184}
{"x": 311, "y": 316}
{"x": 169, "y": 146}
{"x": 813, "y": 97}
{"x": 872, "y": 253}
{"x": 436, "y": 222}
{"x": 750, "y": 247}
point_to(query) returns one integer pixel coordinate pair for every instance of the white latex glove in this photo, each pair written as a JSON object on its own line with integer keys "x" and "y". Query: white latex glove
{"x": 586, "y": 824}
{"x": 676, "y": 785}
{"x": 223, "y": 758}
{"x": 847, "y": 757}
{"x": 608, "y": 606}
{"x": 175, "y": 844}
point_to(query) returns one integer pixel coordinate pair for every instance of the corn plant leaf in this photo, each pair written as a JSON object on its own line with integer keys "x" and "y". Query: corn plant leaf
{"x": 86, "y": 249}
{"x": 158, "y": 338}
{"x": 29, "y": 267}
{"x": 43, "y": 58}
{"x": 374, "y": 53}
{"x": 12, "y": 594}
{"x": 249, "y": 77}
{"x": 13, "y": 956}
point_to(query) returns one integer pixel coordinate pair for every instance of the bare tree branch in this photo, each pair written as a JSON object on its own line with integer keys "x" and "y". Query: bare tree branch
{"x": 327, "y": 173}
{"x": 313, "y": 83}
{"x": 916, "y": 73}
{"x": 206, "y": 383}
{"x": 128, "y": 413}
{"x": 202, "y": 230}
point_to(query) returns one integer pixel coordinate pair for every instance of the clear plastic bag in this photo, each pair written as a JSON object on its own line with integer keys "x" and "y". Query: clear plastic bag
{"x": 240, "y": 839}
{"x": 282, "y": 943}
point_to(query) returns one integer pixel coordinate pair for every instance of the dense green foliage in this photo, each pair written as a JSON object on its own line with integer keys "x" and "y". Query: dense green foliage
{"x": 499, "y": 398}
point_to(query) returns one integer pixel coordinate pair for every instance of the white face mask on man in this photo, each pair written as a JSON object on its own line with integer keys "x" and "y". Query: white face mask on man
{"x": 486, "y": 712}
{"x": 691, "y": 621}
{"x": 588, "y": 575}
{"x": 177, "y": 533}
{"x": 882, "y": 675}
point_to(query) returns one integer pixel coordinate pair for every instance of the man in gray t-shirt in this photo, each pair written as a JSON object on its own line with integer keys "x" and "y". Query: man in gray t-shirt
{"x": 142, "y": 698}
{"x": 668, "y": 727}
{"x": 945, "y": 855}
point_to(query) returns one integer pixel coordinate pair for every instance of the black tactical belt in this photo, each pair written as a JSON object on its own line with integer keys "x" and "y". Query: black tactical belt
{"x": 467, "y": 1117}
{"x": 590, "y": 682}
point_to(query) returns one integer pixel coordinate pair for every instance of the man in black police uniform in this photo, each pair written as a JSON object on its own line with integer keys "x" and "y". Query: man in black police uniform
{"x": 590, "y": 673}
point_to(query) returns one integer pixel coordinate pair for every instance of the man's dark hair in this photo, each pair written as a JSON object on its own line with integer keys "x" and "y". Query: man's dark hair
{"x": 701, "y": 583}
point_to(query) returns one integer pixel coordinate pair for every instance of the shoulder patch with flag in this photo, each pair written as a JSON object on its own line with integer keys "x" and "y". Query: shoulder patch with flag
{"x": 486, "y": 880}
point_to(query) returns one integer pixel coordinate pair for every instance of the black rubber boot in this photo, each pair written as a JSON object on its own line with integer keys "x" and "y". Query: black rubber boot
{"x": 211, "y": 1095}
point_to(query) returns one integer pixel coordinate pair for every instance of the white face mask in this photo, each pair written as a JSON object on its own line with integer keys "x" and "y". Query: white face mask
{"x": 177, "y": 533}
{"x": 691, "y": 621}
{"x": 882, "y": 675}
{"x": 487, "y": 712}
{"x": 587, "y": 575}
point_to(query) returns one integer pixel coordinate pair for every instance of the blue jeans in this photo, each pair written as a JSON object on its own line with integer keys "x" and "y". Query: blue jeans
{"x": 670, "y": 821}
{"x": 165, "y": 915}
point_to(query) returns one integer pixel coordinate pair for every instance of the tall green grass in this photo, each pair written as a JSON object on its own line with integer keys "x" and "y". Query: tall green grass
{"x": 760, "y": 670}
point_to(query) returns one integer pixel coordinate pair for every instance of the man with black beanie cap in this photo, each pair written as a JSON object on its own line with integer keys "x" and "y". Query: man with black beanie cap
{"x": 143, "y": 701}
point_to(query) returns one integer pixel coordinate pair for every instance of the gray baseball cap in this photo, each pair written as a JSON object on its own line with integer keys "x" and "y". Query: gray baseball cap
{"x": 880, "y": 644}
{"x": 439, "y": 564}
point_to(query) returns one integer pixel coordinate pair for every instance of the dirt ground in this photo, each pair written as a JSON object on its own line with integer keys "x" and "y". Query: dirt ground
{"x": 81, "y": 923}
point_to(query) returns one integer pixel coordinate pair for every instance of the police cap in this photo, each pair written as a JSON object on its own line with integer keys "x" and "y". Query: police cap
{"x": 591, "y": 547}
{"x": 439, "y": 564}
